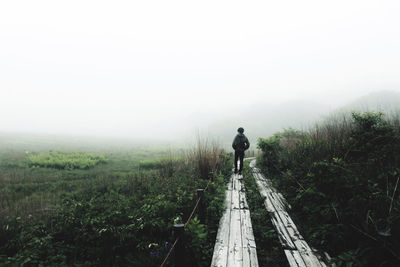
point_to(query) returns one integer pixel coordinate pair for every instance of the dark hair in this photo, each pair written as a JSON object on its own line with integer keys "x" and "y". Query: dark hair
{"x": 240, "y": 130}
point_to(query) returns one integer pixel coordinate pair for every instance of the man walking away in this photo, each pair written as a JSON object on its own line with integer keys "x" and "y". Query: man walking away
{"x": 240, "y": 144}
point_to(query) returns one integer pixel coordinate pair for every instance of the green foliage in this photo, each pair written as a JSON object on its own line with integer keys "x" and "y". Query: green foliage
{"x": 277, "y": 144}
{"x": 66, "y": 160}
{"x": 197, "y": 235}
{"x": 120, "y": 213}
{"x": 158, "y": 163}
{"x": 166, "y": 166}
{"x": 271, "y": 149}
{"x": 342, "y": 181}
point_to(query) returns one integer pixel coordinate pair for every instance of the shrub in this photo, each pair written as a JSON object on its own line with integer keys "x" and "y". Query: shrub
{"x": 341, "y": 178}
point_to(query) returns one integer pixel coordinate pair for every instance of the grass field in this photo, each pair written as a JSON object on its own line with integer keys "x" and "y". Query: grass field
{"x": 117, "y": 211}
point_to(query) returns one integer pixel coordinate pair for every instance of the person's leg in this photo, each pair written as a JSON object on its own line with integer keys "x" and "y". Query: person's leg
{"x": 241, "y": 156}
{"x": 236, "y": 161}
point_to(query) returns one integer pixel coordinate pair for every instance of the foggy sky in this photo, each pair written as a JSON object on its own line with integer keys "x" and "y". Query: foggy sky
{"x": 146, "y": 68}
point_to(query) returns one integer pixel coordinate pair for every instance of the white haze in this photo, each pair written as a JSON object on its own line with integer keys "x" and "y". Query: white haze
{"x": 162, "y": 69}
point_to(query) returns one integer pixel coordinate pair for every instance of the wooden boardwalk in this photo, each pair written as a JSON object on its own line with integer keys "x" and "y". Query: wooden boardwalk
{"x": 296, "y": 248}
{"x": 235, "y": 245}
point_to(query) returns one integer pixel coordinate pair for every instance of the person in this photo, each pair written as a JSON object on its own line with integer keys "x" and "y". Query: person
{"x": 240, "y": 144}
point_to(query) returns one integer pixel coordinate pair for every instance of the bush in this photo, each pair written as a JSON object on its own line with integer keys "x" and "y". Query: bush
{"x": 342, "y": 180}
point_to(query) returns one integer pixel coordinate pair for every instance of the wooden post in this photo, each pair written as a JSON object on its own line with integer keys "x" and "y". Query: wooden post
{"x": 200, "y": 194}
{"x": 179, "y": 247}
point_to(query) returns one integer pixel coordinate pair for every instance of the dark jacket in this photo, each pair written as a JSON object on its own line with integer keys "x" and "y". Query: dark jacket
{"x": 240, "y": 143}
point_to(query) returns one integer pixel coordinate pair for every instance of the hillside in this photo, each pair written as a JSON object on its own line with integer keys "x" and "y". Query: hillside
{"x": 264, "y": 119}
{"x": 386, "y": 101}
{"x": 258, "y": 120}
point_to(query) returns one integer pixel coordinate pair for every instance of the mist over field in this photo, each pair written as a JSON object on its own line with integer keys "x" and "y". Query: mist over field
{"x": 258, "y": 119}
{"x": 120, "y": 142}
{"x": 168, "y": 70}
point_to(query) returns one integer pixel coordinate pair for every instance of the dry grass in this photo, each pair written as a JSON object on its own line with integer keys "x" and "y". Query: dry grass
{"x": 206, "y": 156}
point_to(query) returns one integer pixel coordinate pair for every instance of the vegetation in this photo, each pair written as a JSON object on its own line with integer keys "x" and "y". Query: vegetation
{"x": 342, "y": 180}
{"x": 66, "y": 160}
{"x": 269, "y": 249}
{"x": 118, "y": 213}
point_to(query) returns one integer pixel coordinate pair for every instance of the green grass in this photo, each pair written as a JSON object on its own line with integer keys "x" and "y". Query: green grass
{"x": 115, "y": 213}
{"x": 66, "y": 160}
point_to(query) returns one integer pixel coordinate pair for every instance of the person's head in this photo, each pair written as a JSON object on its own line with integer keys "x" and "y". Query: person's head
{"x": 240, "y": 130}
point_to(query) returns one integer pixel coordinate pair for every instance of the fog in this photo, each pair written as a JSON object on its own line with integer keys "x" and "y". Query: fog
{"x": 168, "y": 69}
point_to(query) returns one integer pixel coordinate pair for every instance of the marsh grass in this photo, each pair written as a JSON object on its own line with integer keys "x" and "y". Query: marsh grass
{"x": 117, "y": 213}
{"x": 66, "y": 160}
{"x": 207, "y": 156}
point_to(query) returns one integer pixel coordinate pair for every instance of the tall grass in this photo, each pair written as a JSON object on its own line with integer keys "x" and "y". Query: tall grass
{"x": 207, "y": 156}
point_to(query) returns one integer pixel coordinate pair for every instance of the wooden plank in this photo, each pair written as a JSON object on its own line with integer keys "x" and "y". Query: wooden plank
{"x": 248, "y": 241}
{"x": 235, "y": 253}
{"x": 242, "y": 197}
{"x": 297, "y": 251}
{"x": 220, "y": 254}
{"x": 235, "y": 200}
{"x": 242, "y": 201}
{"x": 247, "y": 229}
{"x": 235, "y": 256}
{"x": 230, "y": 183}
{"x": 310, "y": 259}
{"x": 244, "y": 218}
{"x": 288, "y": 230}
{"x": 253, "y": 257}
{"x": 291, "y": 228}
{"x": 221, "y": 244}
{"x": 294, "y": 258}
{"x": 236, "y": 182}
{"x": 283, "y": 235}
{"x": 235, "y": 244}
{"x": 290, "y": 258}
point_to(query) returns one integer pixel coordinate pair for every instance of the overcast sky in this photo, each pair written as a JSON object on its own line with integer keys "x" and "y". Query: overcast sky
{"x": 120, "y": 67}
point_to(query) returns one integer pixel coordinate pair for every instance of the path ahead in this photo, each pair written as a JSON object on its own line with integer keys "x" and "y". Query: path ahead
{"x": 235, "y": 245}
{"x": 297, "y": 251}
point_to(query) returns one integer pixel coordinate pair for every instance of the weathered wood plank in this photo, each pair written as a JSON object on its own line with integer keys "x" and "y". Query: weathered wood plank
{"x": 248, "y": 242}
{"x": 294, "y": 258}
{"x": 236, "y": 181}
{"x": 235, "y": 244}
{"x": 247, "y": 229}
{"x": 283, "y": 235}
{"x": 244, "y": 218}
{"x": 310, "y": 259}
{"x": 242, "y": 200}
{"x": 297, "y": 251}
{"x": 220, "y": 254}
{"x": 235, "y": 200}
{"x": 235, "y": 257}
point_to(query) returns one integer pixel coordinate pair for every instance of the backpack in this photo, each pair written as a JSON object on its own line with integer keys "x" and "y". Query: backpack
{"x": 240, "y": 143}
